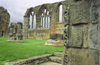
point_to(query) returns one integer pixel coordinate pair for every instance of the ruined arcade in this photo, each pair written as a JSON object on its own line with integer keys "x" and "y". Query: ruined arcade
{"x": 45, "y": 20}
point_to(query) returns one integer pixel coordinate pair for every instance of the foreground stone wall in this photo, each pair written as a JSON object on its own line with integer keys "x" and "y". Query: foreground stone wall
{"x": 82, "y": 32}
{"x": 4, "y": 22}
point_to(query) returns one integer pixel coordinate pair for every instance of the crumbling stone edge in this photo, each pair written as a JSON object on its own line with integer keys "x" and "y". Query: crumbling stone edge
{"x": 31, "y": 60}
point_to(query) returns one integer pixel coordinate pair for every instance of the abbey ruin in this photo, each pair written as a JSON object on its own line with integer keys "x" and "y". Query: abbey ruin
{"x": 80, "y": 25}
{"x": 4, "y": 22}
{"x": 45, "y": 20}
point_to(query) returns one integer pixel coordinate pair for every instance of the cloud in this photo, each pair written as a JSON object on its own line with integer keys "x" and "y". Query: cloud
{"x": 17, "y": 8}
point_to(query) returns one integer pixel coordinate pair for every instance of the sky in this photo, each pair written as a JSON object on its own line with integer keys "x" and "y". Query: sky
{"x": 17, "y": 8}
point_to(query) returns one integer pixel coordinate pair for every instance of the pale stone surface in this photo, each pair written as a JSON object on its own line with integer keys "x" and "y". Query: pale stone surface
{"x": 95, "y": 8}
{"x": 75, "y": 36}
{"x": 75, "y": 56}
{"x": 93, "y": 37}
{"x": 31, "y": 60}
{"x": 56, "y": 43}
{"x": 56, "y": 59}
{"x": 58, "y": 54}
{"x": 80, "y": 12}
{"x": 85, "y": 36}
{"x": 50, "y": 63}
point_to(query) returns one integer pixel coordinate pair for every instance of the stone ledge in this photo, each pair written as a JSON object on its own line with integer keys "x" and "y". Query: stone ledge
{"x": 56, "y": 59}
{"x": 56, "y": 43}
{"x": 31, "y": 60}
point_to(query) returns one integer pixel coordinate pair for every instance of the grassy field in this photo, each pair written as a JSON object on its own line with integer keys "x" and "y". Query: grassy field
{"x": 30, "y": 47}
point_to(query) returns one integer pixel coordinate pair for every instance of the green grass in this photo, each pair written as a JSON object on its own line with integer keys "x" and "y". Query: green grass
{"x": 30, "y": 47}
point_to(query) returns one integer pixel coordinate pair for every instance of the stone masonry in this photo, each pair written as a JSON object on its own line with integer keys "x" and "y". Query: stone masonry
{"x": 15, "y": 32}
{"x": 45, "y": 21}
{"x": 82, "y": 32}
{"x": 55, "y": 40}
{"x": 4, "y": 22}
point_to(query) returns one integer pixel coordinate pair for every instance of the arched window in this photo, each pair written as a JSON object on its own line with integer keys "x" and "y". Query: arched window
{"x": 34, "y": 25}
{"x": 32, "y": 20}
{"x": 60, "y": 13}
{"x": 45, "y": 19}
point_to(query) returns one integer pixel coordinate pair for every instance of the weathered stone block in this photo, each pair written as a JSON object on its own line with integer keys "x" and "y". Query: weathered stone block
{"x": 93, "y": 37}
{"x": 56, "y": 43}
{"x": 19, "y": 25}
{"x": 95, "y": 8}
{"x": 75, "y": 56}
{"x": 85, "y": 36}
{"x": 10, "y": 30}
{"x": 19, "y": 31}
{"x": 80, "y": 12}
{"x": 75, "y": 37}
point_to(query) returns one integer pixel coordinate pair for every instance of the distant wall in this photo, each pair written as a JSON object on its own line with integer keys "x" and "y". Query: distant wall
{"x": 44, "y": 20}
{"x": 4, "y": 22}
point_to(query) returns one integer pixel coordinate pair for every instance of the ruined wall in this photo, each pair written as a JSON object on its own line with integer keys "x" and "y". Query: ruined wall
{"x": 60, "y": 28}
{"x": 44, "y": 29}
{"x": 4, "y": 22}
{"x": 15, "y": 32}
{"x": 82, "y": 32}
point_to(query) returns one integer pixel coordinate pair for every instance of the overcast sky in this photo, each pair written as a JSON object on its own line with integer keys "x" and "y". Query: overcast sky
{"x": 17, "y": 8}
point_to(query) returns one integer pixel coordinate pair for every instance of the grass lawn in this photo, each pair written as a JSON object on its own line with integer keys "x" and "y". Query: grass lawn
{"x": 30, "y": 47}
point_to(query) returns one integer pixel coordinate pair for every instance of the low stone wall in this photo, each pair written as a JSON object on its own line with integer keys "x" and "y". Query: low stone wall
{"x": 31, "y": 60}
{"x": 39, "y": 33}
{"x": 56, "y": 43}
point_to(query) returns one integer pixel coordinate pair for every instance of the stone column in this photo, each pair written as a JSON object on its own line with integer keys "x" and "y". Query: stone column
{"x": 25, "y": 27}
{"x": 19, "y": 31}
{"x": 47, "y": 20}
{"x": 44, "y": 21}
{"x": 32, "y": 21}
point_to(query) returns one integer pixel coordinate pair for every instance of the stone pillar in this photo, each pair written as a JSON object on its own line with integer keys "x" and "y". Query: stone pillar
{"x": 82, "y": 33}
{"x": 32, "y": 21}
{"x": 47, "y": 20}
{"x": 44, "y": 21}
{"x": 25, "y": 27}
{"x": 19, "y": 31}
{"x": 15, "y": 32}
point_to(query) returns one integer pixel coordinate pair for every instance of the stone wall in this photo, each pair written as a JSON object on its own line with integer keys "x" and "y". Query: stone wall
{"x": 82, "y": 33}
{"x": 51, "y": 24}
{"x": 15, "y": 32}
{"x": 31, "y": 61}
{"x": 4, "y": 22}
